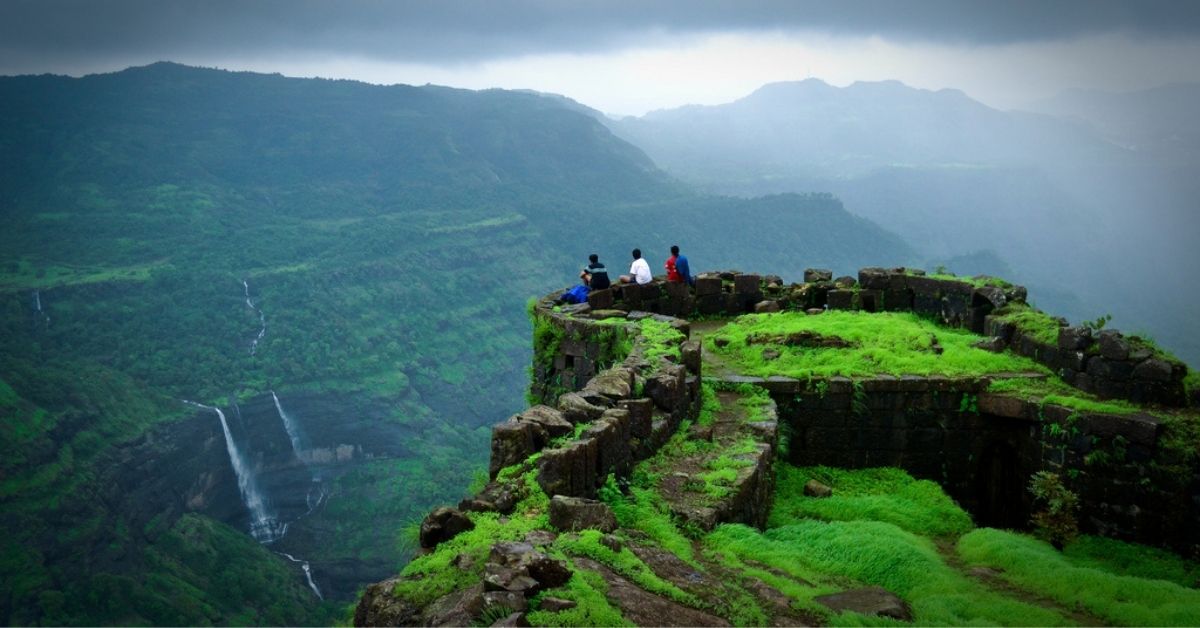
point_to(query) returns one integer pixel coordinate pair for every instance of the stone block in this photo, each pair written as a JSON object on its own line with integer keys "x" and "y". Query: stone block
{"x": 870, "y": 300}
{"x": 817, "y": 274}
{"x": 874, "y": 278}
{"x": 575, "y": 513}
{"x": 897, "y": 300}
{"x": 548, "y": 419}
{"x": 512, "y": 442}
{"x": 1153, "y": 370}
{"x": 690, "y": 355}
{"x": 926, "y": 304}
{"x": 640, "y": 416}
{"x": 989, "y": 296}
{"x": 1074, "y": 338}
{"x": 841, "y": 299}
{"x": 601, "y": 299}
{"x": 1113, "y": 346}
{"x": 711, "y": 304}
{"x": 708, "y": 285}
{"x": 747, "y": 284}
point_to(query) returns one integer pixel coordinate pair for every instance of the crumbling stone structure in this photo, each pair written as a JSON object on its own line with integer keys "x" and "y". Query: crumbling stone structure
{"x": 602, "y": 405}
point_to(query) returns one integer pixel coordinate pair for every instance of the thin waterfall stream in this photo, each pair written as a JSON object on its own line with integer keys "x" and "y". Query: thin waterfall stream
{"x": 264, "y": 527}
{"x": 262, "y": 319}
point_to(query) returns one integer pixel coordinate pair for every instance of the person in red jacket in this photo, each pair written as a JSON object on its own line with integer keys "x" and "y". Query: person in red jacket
{"x": 677, "y": 267}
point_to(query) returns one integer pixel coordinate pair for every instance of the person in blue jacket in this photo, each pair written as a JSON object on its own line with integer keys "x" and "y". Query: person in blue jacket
{"x": 677, "y": 268}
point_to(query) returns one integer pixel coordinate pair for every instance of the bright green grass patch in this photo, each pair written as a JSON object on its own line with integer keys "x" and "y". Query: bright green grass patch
{"x": 883, "y": 343}
{"x": 882, "y": 494}
{"x": 624, "y": 562}
{"x": 1035, "y": 565}
{"x": 1057, "y": 392}
{"x": 1131, "y": 559}
{"x": 660, "y": 340}
{"x": 1043, "y": 327}
{"x": 439, "y": 577}
{"x": 881, "y": 554}
{"x": 644, "y": 510}
{"x": 587, "y": 589}
{"x": 979, "y": 282}
{"x": 1192, "y": 380}
{"x": 721, "y": 472}
{"x": 709, "y": 405}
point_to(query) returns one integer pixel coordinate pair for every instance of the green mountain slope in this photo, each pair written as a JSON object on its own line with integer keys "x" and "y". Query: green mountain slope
{"x": 365, "y": 252}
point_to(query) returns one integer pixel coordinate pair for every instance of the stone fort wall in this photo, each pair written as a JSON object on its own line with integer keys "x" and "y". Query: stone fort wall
{"x": 981, "y": 447}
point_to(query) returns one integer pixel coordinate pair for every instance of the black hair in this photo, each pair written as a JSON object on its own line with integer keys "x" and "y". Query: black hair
{"x": 593, "y": 258}
{"x": 674, "y": 249}
{"x": 637, "y": 254}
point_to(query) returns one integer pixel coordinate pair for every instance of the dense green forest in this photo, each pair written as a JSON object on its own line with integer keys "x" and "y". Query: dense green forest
{"x": 381, "y": 240}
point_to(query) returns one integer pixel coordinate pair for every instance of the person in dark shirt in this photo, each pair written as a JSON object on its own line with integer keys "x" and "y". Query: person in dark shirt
{"x": 595, "y": 276}
{"x": 677, "y": 268}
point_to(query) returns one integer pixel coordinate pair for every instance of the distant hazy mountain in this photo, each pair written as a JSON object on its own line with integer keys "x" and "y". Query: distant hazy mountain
{"x": 1161, "y": 119}
{"x": 1083, "y": 213}
{"x": 339, "y": 268}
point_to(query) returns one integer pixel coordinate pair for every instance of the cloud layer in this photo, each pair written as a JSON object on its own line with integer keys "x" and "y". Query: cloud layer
{"x": 468, "y": 31}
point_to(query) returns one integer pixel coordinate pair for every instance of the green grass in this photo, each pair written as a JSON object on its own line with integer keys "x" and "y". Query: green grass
{"x": 587, "y": 589}
{"x": 644, "y": 510}
{"x": 882, "y": 494}
{"x": 883, "y": 343}
{"x": 1131, "y": 559}
{"x": 721, "y": 472}
{"x": 978, "y": 282}
{"x": 660, "y": 340}
{"x": 1057, "y": 392}
{"x": 1121, "y": 599}
{"x": 624, "y": 562}
{"x": 1040, "y": 325}
{"x": 875, "y": 553}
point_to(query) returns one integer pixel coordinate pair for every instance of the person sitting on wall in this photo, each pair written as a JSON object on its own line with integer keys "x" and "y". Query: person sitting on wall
{"x": 677, "y": 268}
{"x": 639, "y": 271}
{"x": 595, "y": 276}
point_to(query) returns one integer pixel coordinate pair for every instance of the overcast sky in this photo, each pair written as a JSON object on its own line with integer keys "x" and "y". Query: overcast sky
{"x": 629, "y": 57}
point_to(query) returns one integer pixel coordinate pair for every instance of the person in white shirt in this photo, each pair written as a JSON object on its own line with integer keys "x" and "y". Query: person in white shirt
{"x": 639, "y": 271}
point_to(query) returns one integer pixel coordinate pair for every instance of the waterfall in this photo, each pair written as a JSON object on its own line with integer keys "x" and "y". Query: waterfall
{"x": 262, "y": 319}
{"x": 37, "y": 307}
{"x": 307, "y": 573}
{"x": 263, "y": 527}
{"x": 293, "y": 430}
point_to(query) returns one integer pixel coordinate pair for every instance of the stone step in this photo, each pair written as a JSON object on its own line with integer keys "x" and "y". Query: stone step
{"x": 737, "y": 453}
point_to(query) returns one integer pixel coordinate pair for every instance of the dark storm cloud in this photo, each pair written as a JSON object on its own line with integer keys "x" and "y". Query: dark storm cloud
{"x": 454, "y": 31}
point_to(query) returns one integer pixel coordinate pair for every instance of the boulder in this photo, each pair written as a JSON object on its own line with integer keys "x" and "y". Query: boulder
{"x": 548, "y": 419}
{"x": 995, "y": 344}
{"x": 576, "y": 513}
{"x": 1074, "y": 338}
{"x": 1113, "y": 346}
{"x": 690, "y": 353}
{"x": 615, "y": 384}
{"x": 817, "y": 274}
{"x": 845, "y": 282}
{"x": 869, "y": 601}
{"x": 763, "y": 307}
{"x": 576, "y": 409}
{"x": 512, "y": 442}
{"x": 813, "y": 488}
{"x": 991, "y": 296}
{"x": 517, "y": 620}
{"x": 455, "y": 609}
{"x": 556, "y": 604}
{"x": 508, "y": 599}
{"x": 378, "y": 607}
{"x": 1154, "y": 370}
{"x": 443, "y": 524}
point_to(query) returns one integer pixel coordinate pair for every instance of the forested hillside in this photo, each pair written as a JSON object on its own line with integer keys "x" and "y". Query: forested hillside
{"x": 353, "y": 259}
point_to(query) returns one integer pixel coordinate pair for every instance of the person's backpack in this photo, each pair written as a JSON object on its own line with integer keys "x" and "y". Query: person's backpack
{"x": 578, "y": 294}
